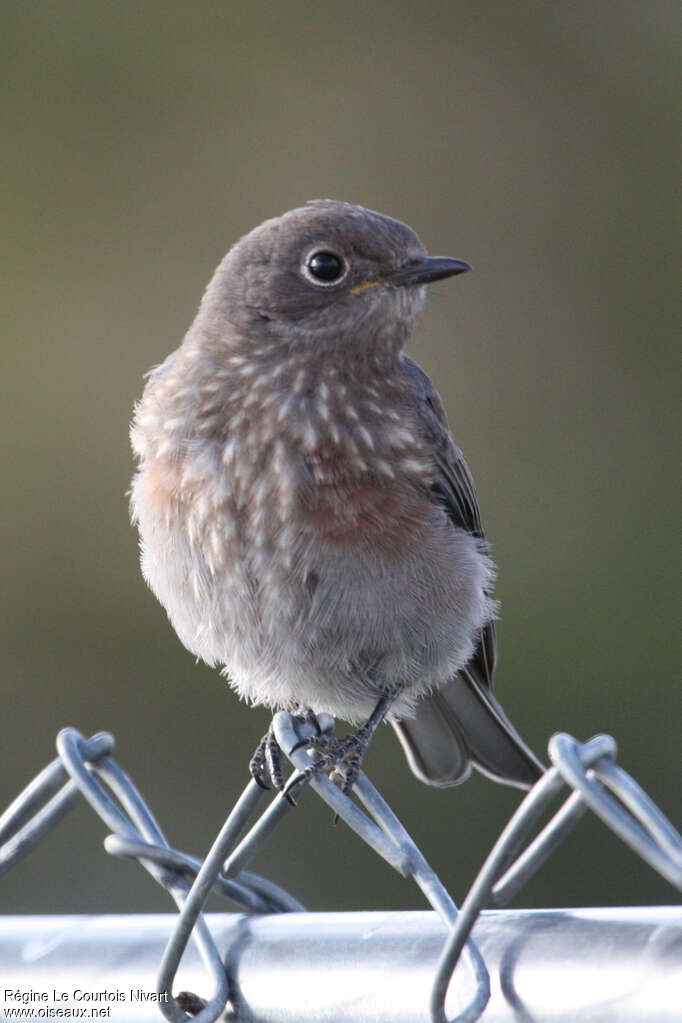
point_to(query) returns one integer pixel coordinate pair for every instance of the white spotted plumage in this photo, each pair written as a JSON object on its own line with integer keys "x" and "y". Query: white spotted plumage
{"x": 286, "y": 493}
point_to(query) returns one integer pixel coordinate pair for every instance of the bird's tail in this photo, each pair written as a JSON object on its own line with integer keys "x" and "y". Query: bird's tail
{"x": 459, "y": 725}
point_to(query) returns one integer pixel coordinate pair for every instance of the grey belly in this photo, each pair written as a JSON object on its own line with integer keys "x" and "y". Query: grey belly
{"x": 333, "y": 627}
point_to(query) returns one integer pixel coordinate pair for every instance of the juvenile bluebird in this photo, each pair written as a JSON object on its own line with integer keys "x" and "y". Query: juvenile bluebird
{"x": 305, "y": 517}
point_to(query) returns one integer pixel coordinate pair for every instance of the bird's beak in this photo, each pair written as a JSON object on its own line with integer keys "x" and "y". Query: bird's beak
{"x": 419, "y": 271}
{"x": 431, "y": 268}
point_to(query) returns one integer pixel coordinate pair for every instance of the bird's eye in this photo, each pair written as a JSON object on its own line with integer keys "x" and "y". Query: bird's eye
{"x": 325, "y": 267}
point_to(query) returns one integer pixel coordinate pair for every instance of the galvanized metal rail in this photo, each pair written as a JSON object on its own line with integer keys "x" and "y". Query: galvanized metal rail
{"x": 558, "y": 966}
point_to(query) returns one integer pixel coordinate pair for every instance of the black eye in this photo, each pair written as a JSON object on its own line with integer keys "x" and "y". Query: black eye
{"x": 325, "y": 267}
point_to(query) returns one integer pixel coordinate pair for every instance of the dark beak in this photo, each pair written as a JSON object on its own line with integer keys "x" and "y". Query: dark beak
{"x": 432, "y": 268}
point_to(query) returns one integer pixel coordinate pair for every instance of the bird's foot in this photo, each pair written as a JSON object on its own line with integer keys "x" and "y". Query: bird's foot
{"x": 341, "y": 758}
{"x": 266, "y": 764}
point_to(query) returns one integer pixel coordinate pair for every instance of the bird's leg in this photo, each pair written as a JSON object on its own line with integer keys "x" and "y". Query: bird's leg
{"x": 309, "y": 716}
{"x": 266, "y": 763}
{"x": 342, "y": 758}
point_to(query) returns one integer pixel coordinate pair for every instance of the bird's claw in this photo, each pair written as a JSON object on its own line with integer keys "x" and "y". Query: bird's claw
{"x": 266, "y": 763}
{"x": 341, "y": 759}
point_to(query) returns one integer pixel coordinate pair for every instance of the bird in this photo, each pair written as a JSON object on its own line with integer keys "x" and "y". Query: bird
{"x": 304, "y": 514}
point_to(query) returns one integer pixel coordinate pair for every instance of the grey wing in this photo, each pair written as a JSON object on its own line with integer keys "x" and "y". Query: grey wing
{"x": 461, "y": 724}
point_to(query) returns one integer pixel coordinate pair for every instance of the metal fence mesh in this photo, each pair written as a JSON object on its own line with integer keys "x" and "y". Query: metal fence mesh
{"x": 584, "y": 774}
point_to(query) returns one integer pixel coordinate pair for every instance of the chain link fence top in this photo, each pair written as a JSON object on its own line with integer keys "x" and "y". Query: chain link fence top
{"x": 586, "y": 774}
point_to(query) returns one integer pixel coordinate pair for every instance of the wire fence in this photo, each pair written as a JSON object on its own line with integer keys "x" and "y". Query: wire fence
{"x": 585, "y": 774}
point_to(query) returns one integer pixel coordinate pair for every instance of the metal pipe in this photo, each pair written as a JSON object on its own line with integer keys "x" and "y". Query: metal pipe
{"x": 556, "y": 965}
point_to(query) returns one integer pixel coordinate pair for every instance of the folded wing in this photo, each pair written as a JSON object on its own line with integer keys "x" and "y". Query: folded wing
{"x": 461, "y": 724}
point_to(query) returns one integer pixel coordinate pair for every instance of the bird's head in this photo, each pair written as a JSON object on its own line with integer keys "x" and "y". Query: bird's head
{"x": 327, "y": 275}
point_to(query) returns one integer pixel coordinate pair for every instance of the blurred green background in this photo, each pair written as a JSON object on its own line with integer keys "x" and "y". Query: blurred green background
{"x": 536, "y": 140}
